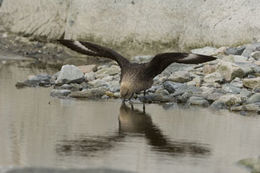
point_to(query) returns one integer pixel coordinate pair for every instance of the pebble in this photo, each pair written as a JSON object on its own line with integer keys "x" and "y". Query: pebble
{"x": 231, "y": 82}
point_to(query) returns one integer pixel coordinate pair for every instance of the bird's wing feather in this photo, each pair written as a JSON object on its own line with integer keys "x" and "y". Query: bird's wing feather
{"x": 92, "y": 49}
{"x": 161, "y": 61}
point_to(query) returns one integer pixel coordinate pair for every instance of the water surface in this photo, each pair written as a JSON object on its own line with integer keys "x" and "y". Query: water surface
{"x": 37, "y": 130}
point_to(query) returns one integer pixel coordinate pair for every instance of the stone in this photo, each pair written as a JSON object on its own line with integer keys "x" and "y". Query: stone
{"x": 254, "y": 98}
{"x": 257, "y": 62}
{"x": 69, "y": 74}
{"x": 90, "y": 76}
{"x": 237, "y": 82}
{"x": 60, "y": 92}
{"x": 196, "y": 81}
{"x": 207, "y": 69}
{"x": 199, "y": 101}
{"x": 254, "y": 107}
{"x": 251, "y": 82}
{"x": 171, "y": 87}
{"x": 229, "y": 88}
{"x": 93, "y": 93}
{"x": 226, "y": 101}
{"x": 245, "y": 93}
{"x": 180, "y": 77}
{"x": 213, "y": 77}
{"x": 250, "y": 48}
{"x": 247, "y": 67}
{"x": 211, "y": 94}
{"x": 229, "y": 70}
{"x": 256, "y": 55}
{"x": 155, "y": 98}
{"x": 205, "y": 51}
{"x": 43, "y": 80}
{"x": 235, "y": 50}
{"x": 87, "y": 68}
{"x": 238, "y": 58}
{"x": 71, "y": 87}
{"x": 112, "y": 70}
{"x": 161, "y": 91}
{"x": 98, "y": 83}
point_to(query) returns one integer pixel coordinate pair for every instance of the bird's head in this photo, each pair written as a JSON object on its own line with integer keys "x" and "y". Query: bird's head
{"x": 126, "y": 90}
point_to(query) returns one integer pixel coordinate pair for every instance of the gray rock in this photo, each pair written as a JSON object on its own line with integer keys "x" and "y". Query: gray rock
{"x": 200, "y": 101}
{"x": 180, "y": 76}
{"x": 251, "y": 82}
{"x": 112, "y": 70}
{"x": 229, "y": 88}
{"x": 36, "y": 80}
{"x": 211, "y": 94}
{"x": 72, "y": 87}
{"x": 90, "y": 76}
{"x": 229, "y": 70}
{"x": 205, "y": 51}
{"x": 238, "y": 58}
{"x": 60, "y": 92}
{"x": 254, "y": 107}
{"x": 69, "y": 74}
{"x": 247, "y": 67}
{"x": 184, "y": 97}
{"x": 250, "y": 48}
{"x": 161, "y": 91}
{"x": 213, "y": 77}
{"x": 237, "y": 82}
{"x": 114, "y": 86}
{"x": 227, "y": 101}
{"x": 171, "y": 87}
{"x": 93, "y": 93}
{"x": 245, "y": 93}
{"x": 155, "y": 98}
{"x": 235, "y": 50}
{"x": 187, "y": 88}
{"x": 254, "y": 98}
{"x": 256, "y": 55}
{"x": 98, "y": 83}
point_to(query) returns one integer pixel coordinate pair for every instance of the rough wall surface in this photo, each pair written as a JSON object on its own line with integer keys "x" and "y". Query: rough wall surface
{"x": 169, "y": 23}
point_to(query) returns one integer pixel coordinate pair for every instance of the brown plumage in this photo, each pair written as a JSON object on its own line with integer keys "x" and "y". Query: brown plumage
{"x": 136, "y": 77}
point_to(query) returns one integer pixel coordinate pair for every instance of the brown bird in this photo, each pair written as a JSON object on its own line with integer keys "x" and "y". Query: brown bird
{"x": 136, "y": 77}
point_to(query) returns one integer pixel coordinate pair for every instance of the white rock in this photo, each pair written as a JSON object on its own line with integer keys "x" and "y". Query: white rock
{"x": 230, "y": 70}
{"x": 68, "y": 74}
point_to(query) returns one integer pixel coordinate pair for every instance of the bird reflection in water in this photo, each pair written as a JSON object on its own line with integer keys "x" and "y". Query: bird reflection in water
{"x": 133, "y": 123}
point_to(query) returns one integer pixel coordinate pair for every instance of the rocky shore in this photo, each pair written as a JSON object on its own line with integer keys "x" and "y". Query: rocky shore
{"x": 230, "y": 82}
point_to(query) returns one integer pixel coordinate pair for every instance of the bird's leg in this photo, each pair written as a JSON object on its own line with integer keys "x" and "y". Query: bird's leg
{"x": 132, "y": 106}
{"x": 144, "y": 96}
{"x": 144, "y": 108}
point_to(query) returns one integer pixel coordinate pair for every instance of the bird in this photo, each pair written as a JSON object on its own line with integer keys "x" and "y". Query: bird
{"x": 135, "y": 77}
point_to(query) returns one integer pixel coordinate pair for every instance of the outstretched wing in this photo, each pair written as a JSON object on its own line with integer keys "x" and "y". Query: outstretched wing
{"x": 92, "y": 49}
{"x": 161, "y": 61}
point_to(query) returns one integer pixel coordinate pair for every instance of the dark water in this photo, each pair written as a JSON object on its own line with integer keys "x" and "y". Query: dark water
{"x": 40, "y": 131}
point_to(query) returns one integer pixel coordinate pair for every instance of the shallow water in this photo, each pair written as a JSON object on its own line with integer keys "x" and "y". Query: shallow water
{"x": 40, "y": 131}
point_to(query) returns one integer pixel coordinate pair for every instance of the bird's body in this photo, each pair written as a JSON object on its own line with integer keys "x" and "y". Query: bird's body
{"x": 136, "y": 77}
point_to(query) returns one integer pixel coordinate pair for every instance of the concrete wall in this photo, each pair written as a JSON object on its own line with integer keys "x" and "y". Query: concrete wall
{"x": 150, "y": 23}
